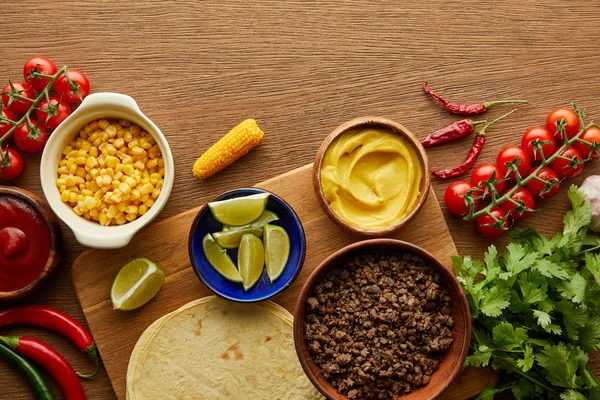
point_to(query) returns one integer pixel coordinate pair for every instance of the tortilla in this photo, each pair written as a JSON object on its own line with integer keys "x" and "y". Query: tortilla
{"x": 216, "y": 349}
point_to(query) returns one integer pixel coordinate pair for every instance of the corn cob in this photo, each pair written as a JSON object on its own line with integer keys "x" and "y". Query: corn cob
{"x": 239, "y": 141}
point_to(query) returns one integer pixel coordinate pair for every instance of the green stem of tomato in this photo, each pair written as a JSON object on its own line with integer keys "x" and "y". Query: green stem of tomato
{"x": 523, "y": 182}
{"x": 34, "y": 103}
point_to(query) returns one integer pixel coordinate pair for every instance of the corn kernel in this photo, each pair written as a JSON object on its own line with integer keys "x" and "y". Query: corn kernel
{"x": 121, "y": 207}
{"x": 111, "y": 172}
{"x": 94, "y": 213}
{"x": 65, "y": 196}
{"x": 94, "y": 151}
{"x": 63, "y": 170}
{"x": 70, "y": 181}
{"x": 103, "y": 220}
{"x": 87, "y": 192}
{"x": 118, "y": 175}
{"x": 142, "y": 209}
{"x": 128, "y": 137}
{"x": 121, "y": 219}
{"x": 111, "y": 130}
{"x": 131, "y": 209}
{"x": 128, "y": 169}
{"x": 135, "y": 194}
{"x": 133, "y": 144}
{"x": 152, "y": 163}
{"x": 140, "y": 165}
{"x": 135, "y": 130}
{"x": 112, "y": 211}
{"x": 138, "y": 151}
{"x": 144, "y": 198}
{"x": 103, "y": 123}
{"x": 119, "y": 142}
{"x": 131, "y": 217}
{"x": 67, "y": 150}
{"x": 111, "y": 161}
{"x": 149, "y": 203}
{"x": 125, "y": 188}
{"x": 146, "y": 188}
{"x": 90, "y": 203}
{"x": 72, "y": 197}
{"x": 80, "y": 172}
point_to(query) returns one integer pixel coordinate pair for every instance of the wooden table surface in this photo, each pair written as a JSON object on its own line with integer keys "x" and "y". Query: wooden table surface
{"x": 300, "y": 68}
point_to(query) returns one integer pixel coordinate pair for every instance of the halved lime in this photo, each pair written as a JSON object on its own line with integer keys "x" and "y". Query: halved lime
{"x": 219, "y": 259}
{"x": 231, "y": 239}
{"x": 277, "y": 250}
{"x": 135, "y": 284}
{"x": 239, "y": 211}
{"x": 266, "y": 217}
{"x": 251, "y": 260}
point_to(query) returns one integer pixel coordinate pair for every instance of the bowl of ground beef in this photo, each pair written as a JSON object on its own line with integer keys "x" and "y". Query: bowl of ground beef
{"x": 382, "y": 319}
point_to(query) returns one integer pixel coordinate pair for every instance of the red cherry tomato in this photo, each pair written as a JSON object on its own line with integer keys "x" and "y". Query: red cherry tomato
{"x": 5, "y": 126}
{"x": 11, "y": 164}
{"x": 563, "y": 116}
{"x": 486, "y": 224}
{"x": 566, "y": 168}
{"x": 15, "y": 105}
{"x": 515, "y": 154}
{"x": 483, "y": 173}
{"x": 591, "y": 135}
{"x": 454, "y": 198}
{"x": 38, "y": 65}
{"x": 543, "y": 190}
{"x": 51, "y": 119}
{"x": 523, "y": 197}
{"x": 538, "y": 134}
{"x": 31, "y": 139}
{"x": 74, "y": 91}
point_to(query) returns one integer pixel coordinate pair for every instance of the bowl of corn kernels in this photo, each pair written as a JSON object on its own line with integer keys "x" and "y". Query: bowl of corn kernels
{"x": 107, "y": 171}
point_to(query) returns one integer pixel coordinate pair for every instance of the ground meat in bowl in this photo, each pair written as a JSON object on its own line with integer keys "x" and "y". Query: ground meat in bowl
{"x": 378, "y": 325}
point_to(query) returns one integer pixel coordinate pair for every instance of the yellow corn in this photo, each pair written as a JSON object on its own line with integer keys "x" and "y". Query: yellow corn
{"x": 239, "y": 141}
{"x": 111, "y": 173}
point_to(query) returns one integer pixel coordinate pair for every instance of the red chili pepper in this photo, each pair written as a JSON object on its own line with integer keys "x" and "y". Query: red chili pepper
{"x": 466, "y": 109}
{"x": 56, "y": 321}
{"x": 49, "y": 359}
{"x": 456, "y": 130}
{"x": 471, "y": 156}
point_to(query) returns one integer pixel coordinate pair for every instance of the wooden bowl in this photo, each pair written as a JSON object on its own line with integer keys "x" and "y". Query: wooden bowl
{"x": 55, "y": 240}
{"x": 364, "y": 122}
{"x": 452, "y": 360}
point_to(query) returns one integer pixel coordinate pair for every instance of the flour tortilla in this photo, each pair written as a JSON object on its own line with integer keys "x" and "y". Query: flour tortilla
{"x": 215, "y": 349}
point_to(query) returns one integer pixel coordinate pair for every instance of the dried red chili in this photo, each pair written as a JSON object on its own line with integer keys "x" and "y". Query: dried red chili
{"x": 465, "y": 109}
{"x": 456, "y": 130}
{"x": 471, "y": 156}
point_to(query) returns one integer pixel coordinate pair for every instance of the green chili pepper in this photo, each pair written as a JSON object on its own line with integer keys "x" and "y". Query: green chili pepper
{"x": 37, "y": 383}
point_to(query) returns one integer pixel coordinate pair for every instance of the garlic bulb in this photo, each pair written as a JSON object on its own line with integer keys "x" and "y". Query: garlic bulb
{"x": 591, "y": 188}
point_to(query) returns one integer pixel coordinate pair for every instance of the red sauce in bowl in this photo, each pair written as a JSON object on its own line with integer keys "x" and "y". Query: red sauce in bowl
{"x": 25, "y": 243}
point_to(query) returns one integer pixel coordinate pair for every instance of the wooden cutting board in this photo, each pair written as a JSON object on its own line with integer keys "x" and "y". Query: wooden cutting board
{"x": 166, "y": 244}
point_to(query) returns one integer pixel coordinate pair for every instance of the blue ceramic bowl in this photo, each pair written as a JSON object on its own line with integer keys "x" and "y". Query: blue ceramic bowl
{"x": 264, "y": 289}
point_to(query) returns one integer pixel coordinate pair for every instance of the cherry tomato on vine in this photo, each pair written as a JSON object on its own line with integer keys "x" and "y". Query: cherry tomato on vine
{"x": 50, "y": 121}
{"x": 569, "y": 118}
{"x": 486, "y": 224}
{"x": 568, "y": 168}
{"x": 11, "y": 164}
{"x": 538, "y": 134}
{"x": 31, "y": 140}
{"x": 15, "y": 105}
{"x": 514, "y": 154}
{"x": 5, "y": 126}
{"x": 76, "y": 92}
{"x": 540, "y": 189}
{"x": 483, "y": 173}
{"x": 454, "y": 200}
{"x": 41, "y": 65}
{"x": 523, "y": 197}
{"x": 591, "y": 135}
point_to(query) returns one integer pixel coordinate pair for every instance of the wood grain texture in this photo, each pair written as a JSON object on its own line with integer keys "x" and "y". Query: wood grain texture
{"x": 197, "y": 68}
{"x": 94, "y": 270}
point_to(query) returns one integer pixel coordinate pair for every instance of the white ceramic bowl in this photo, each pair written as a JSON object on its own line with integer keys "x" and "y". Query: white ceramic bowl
{"x": 93, "y": 107}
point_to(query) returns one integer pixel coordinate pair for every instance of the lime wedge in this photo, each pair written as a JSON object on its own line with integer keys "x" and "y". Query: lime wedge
{"x": 277, "y": 250}
{"x": 239, "y": 211}
{"x": 266, "y": 217}
{"x": 136, "y": 283}
{"x": 231, "y": 239}
{"x": 251, "y": 259}
{"x": 219, "y": 259}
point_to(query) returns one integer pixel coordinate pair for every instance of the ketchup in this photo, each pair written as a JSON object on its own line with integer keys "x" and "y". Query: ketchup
{"x": 24, "y": 244}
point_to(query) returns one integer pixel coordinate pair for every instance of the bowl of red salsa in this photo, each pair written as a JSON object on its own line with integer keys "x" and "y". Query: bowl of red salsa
{"x": 30, "y": 242}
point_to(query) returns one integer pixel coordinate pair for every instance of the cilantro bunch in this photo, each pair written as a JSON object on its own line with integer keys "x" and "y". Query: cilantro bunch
{"x": 536, "y": 309}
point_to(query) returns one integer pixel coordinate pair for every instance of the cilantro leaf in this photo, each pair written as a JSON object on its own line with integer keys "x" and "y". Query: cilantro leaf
{"x": 581, "y": 214}
{"x": 533, "y": 289}
{"x": 560, "y": 365}
{"x": 507, "y": 337}
{"x": 523, "y": 389}
{"x": 488, "y": 392}
{"x": 550, "y": 269}
{"x": 543, "y": 318}
{"x": 481, "y": 357}
{"x": 517, "y": 259}
{"x": 573, "y": 317}
{"x": 589, "y": 334}
{"x": 494, "y": 300}
{"x": 592, "y": 265}
{"x": 574, "y": 289}
{"x": 526, "y": 363}
{"x": 572, "y": 395}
